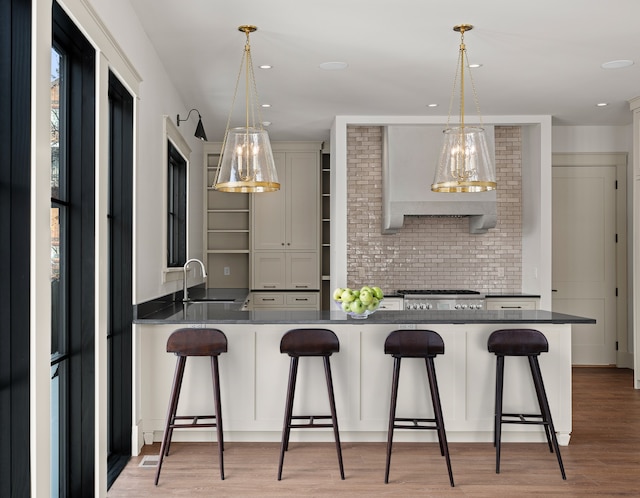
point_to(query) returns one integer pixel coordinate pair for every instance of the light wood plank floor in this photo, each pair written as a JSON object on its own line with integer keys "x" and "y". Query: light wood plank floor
{"x": 603, "y": 459}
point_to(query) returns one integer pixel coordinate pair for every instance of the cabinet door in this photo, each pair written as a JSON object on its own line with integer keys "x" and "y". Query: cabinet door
{"x": 269, "y": 270}
{"x": 269, "y": 210}
{"x": 303, "y": 271}
{"x": 303, "y": 200}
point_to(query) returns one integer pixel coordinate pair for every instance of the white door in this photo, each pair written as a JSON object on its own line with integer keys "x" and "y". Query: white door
{"x": 584, "y": 258}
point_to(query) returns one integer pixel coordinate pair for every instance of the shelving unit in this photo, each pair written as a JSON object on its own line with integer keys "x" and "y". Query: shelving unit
{"x": 325, "y": 261}
{"x": 226, "y": 230}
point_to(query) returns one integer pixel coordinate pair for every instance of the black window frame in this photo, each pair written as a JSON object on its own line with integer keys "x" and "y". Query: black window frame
{"x": 176, "y": 207}
{"x": 77, "y": 471}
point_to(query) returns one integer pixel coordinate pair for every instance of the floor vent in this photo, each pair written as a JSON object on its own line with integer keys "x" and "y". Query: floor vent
{"x": 149, "y": 461}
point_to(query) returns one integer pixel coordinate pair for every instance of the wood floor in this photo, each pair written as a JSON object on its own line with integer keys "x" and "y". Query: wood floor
{"x": 603, "y": 459}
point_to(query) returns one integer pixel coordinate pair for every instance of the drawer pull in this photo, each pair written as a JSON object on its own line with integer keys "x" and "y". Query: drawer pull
{"x": 301, "y": 286}
{"x": 269, "y": 286}
{"x": 302, "y": 299}
{"x": 268, "y": 299}
{"x": 511, "y": 307}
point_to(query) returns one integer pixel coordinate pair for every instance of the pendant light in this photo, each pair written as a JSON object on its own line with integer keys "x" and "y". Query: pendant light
{"x": 465, "y": 163}
{"x": 246, "y": 163}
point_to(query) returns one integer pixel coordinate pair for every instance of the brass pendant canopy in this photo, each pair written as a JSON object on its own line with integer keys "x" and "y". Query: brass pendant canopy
{"x": 465, "y": 163}
{"x": 246, "y": 163}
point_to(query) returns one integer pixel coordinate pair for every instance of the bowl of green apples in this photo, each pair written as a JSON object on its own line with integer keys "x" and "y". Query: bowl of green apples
{"x": 358, "y": 303}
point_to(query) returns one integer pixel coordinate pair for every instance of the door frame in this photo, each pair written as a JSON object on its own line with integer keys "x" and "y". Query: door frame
{"x": 624, "y": 342}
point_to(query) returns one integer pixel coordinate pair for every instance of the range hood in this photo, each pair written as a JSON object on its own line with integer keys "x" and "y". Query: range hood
{"x": 409, "y": 157}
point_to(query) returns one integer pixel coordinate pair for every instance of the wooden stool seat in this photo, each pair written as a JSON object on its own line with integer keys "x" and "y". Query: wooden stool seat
{"x": 185, "y": 343}
{"x": 530, "y": 343}
{"x": 425, "y": 344}
{"x": 309, "y": 342}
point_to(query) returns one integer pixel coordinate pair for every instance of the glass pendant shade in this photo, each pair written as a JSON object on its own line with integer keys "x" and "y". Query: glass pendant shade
{"x": 247, "y": 163}
{"x": 465, "y": 163}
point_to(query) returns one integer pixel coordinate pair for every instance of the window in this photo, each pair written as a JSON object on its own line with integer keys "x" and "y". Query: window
{"x": 72, "y": 260}
{"x": 176, "y": 154}
{"x": 177, "y": 207}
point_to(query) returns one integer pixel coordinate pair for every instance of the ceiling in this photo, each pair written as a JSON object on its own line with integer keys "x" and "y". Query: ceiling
{"x": 538, "y": 57}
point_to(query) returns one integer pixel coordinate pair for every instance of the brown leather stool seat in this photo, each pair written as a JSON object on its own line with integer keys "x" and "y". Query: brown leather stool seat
{"x": 425, "y": 344}
{"x": 309, "y": 342}
{"x": 529, "y": 343}
{"x": 185, "y": 343}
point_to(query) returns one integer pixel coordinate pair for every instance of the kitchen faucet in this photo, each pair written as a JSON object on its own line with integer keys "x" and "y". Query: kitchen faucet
{"x": 185, "y": 295}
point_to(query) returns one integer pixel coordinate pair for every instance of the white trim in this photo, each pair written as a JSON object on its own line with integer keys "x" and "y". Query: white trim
{"x": 40, "y": 254}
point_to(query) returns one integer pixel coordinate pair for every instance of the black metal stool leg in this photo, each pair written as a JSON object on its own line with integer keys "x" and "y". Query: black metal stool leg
{"x": 334, "y": 417}
{"x": 541, "y": 401}
{"x": 437, "y": 409}
{"x": 544, "y": 409}
{"x": 392, "y": 414}
{"x": 218, "y": 404}
{"x": 498, "y": 409}
{"x": 171, "y": 412}
{"x": 286, "y": 426}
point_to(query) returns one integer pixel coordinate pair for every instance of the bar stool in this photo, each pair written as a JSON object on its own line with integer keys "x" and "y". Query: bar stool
{"x": 308, "y": 342}
{"x": 529, "y": 343}
{"x": 194, "y": 342}
{"x": 416, "y": 344}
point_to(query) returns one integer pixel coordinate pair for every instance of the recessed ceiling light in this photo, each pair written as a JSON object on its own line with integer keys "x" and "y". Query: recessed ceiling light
{"x": 432, "y": 105}
{"x": 265, "y": 105}
{"x": 333, "y": 66}
{"x": 475, "y": 65}
{"x": 266, "y": 123}
{"x": 266, "y": 66}
{"x": 617, "y": 64}
{"x": 602, "y": 104}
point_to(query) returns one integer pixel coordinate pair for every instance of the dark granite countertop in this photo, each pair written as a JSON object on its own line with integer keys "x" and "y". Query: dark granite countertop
{"x": 511, "y": 295}
{"x": 230, "y": 313}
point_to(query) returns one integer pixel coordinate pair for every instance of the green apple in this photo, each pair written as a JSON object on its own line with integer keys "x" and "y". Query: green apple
{"x": 366, "y": 296}
{"x": 347, "y": 296}
{"x": 358, "y": 307}
{"x": 366, "y": 288}
{"x": 373, "y": 305}
{"x": 377, "y": 291}
{"x": 337, "y": 294}
{"x": 346, "y": 307}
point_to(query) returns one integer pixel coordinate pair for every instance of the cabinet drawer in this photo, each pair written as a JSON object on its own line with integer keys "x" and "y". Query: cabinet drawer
{"x": 392, "y": 303}
{"x": 268, "y": 299}
{"x": 302, "y": 299}
{"x": 515, "y": 304}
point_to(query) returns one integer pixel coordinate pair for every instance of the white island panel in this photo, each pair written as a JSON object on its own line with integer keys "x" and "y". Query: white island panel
{"x": 254, "y": 377}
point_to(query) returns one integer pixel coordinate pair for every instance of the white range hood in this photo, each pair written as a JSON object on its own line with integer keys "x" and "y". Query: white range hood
{"x": 409, "y": 157}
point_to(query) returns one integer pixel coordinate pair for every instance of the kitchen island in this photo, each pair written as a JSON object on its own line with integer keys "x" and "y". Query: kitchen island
{"x": 254, "y": 373}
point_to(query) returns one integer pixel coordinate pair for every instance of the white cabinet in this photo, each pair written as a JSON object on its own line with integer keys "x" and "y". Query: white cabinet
{"x": 284, "y": 300}
{"x": 512, "y": 303}
{"x": 285, "y": 270}
{"x": 286, "y": 224}
{"x": 392, "y": 303}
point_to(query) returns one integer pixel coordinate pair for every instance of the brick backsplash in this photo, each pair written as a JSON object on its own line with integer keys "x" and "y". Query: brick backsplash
{"x": 432, "y": 252}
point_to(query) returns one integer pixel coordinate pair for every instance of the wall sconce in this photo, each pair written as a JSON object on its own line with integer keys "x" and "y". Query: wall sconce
{"x": 465, "y": 164}
{"x": 199, "y": 129}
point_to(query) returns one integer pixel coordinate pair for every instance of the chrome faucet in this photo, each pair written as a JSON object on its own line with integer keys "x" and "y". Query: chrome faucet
{"x": 185, "y": 291}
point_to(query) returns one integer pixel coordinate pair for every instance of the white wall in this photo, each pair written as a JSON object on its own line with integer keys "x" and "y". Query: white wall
{"x": 567, "y": 139}
{"x": 157, "y": 97}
